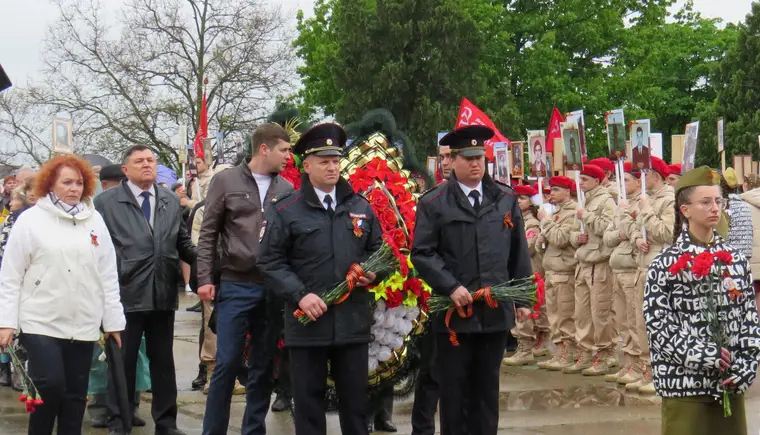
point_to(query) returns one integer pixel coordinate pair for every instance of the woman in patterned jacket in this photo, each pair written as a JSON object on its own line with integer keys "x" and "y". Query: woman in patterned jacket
{"x": 691, "y": 367}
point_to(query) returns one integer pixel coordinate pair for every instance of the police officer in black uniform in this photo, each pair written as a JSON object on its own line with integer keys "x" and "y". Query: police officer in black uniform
{"x": 469, "y": 235}
{"x": 308, "y": 247}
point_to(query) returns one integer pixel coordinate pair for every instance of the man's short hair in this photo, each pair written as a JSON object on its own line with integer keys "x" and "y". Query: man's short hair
{"x": 269, "y": 134}
{"x": 133, "y": 149}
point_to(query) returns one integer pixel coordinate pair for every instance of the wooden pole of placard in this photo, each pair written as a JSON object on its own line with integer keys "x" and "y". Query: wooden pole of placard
{"x": 723, "y": 161}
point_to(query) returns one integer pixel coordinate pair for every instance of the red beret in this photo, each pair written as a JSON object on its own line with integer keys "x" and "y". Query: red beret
{"x": 659, "y": 166}
{"x": 604, "y": 163}
{"x": 628, "y": 168}
{"x": 593, "y": 171}
{"x": 675, "y": 169}
{"x": 525, "y": 190}
{"x": 561, "y": 181}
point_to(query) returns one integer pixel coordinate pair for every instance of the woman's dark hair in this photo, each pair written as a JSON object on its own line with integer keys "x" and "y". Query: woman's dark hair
{"x": 726, "y": 189}
{"x": 682, "y": 197}
{"x": 533, "y": 207}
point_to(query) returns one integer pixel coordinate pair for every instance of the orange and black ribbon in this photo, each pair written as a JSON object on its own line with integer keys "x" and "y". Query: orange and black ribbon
{"x": 355, "y": 273}
{"x": 484, "y": 293}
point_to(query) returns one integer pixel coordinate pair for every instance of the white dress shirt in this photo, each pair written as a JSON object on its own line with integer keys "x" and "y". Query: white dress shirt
{"x": 467, "y": 190}
{"x": 136, "y": 191}
{"x": 321, "y": 195}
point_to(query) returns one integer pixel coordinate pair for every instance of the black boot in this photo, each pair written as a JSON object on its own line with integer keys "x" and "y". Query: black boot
{"x": 197, "y": 308}
{"x": 383, "y": 419}
{"x": 5, "y": 374}
{"x": 200, "y": 381}
{"x": 281, "y": 403}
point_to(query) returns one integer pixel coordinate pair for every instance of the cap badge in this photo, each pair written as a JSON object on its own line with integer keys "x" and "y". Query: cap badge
{"x": 329, "y": 142}
{"x": 474, "y": 142}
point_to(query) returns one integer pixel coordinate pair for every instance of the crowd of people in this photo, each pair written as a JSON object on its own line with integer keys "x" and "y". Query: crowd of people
{"x": 87, "y": 263}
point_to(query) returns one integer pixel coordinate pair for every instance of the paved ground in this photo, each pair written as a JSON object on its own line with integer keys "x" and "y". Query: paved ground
{"x": 532, "y": 402}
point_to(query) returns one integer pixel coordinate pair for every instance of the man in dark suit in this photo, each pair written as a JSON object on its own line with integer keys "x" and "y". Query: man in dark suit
{"x": 640, "y": 151}
{"x": 150, "y": 237}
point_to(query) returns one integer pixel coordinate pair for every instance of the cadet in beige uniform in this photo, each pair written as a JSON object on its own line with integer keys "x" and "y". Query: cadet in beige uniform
{"x": 609, "y": 175}
{"x": 657, "y": 214}
{"x": 559, "y": 264}
{"x": 594, "y": 329}
{"x": 532, "y": 334}
{"x": 619, "y": 235}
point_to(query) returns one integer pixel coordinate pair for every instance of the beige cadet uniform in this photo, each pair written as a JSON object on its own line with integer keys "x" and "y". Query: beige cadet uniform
{"x": 612, "y": 189}
{"x": 594, "y": 327}
{"x": 559, "y": 264}
{"x": 624, "y": 270}
{"x": 200, "y": 188}
{"x": 531, "y": 334}
{"x": 659, "y": 220}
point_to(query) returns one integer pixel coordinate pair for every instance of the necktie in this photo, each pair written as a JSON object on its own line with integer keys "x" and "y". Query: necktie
{"x": 145, "y": 206}
{"x": 328, "y": 206}
{"x": 475, "y": 195}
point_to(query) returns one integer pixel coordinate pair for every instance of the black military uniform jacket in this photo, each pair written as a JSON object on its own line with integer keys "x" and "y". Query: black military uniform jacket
{"x": 455, "y": 245}
{"x": 305, "y": 251}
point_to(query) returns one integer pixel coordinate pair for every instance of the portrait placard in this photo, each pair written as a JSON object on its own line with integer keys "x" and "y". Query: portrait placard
{"x": 517, "y": 160}
{"x": 721, "y": 138}
{"x": 62, "y": 136}
{"x": 690, "y": 147}
{"x": 572, "y": 146}
{"x": 577, "y": 117}
{"x": 537, "y": 153}
{"x": 501, "y": 157}
{"x": 615, "y": 120}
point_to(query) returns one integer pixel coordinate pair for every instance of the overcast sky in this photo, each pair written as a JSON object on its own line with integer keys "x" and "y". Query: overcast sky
{"x": 24, "y": 23}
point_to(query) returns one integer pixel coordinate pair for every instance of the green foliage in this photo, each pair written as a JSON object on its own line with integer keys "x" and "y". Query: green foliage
{"x": 739, "y": 89}
{"x": 515, "y": 59}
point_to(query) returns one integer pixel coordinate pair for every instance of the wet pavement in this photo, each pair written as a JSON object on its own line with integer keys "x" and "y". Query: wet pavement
{"x": 532, "y": 401}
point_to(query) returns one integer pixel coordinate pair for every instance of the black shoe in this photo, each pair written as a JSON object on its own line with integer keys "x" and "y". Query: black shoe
{"x": 169, "y": 432}
{"x": 17, "y": 382}
{"x": 370, "y": 427}
{"x": 5, "y": 375}
{"x": 200, "y": 381}
{"x": 197, "y": 308}
{"x": 385, "y": 426}
{"x": 100, "y": 422}
{"x": 137, "y": 421}
{"x": 280, "y": 403}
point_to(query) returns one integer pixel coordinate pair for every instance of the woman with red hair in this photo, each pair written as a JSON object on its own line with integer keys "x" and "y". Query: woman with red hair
{"x": 58, "y": 285}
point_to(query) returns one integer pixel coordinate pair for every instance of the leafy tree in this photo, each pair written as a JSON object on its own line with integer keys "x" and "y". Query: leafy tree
{"x": 738, "y": 88}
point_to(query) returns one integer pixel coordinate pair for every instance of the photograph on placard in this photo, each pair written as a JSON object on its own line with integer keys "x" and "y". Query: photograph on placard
{"x": 576, "y": 116}
{"x": 62, "y": 136}
{"x": 721, "y": 138}
{"x": 690, "y": 147}
{"x": 537, "y": 153}
{"x": 518, "y": 170}
{"x": 640, "y": 152}
{"x": 501, "y": 170}
{"x": 549, "y": 165}
{"x": 616, "y": 133}
{"x": 572, "y": 142}
{"x": 432, "y": 165}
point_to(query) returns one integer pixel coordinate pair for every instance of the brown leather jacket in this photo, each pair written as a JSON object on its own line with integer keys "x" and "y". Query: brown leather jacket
{"x": 559, "y": 255}
{"x": 234, "y": 213}
{"x": 599, "y": 211}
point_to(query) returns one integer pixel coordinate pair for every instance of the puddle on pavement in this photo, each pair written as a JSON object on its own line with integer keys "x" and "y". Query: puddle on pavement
{"x": 573, "y": 397}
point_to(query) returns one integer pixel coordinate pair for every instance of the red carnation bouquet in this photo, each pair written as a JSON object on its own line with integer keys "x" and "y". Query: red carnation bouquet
{"x": 709, "y": 273}
{"x": 31, "y": 395}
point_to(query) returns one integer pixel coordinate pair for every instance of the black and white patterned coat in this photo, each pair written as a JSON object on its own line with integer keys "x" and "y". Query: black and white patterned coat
{"x": 684, "y": 356}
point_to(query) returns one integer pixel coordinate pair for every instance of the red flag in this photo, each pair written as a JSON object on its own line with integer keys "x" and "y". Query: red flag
{"x": 202, "y": 132}
{"x": 553, "y": 130}
{"x": 469, "y": 114}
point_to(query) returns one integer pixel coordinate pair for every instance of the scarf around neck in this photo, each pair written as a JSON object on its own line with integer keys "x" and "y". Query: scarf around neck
{"x": 73, "y": 210}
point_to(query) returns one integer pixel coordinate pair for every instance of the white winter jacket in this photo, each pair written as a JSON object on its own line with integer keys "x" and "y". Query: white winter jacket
{"x": 58, "y": 276}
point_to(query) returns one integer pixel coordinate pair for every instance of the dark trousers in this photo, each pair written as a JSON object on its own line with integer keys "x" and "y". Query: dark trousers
{"x": 61, "y": 371}
{"x": 348, "y": 367}
{"x": 427, "y": 390}
{"x": 240, "y": 311}
{"x": 158, "y": 327}
{"x": 470, "y": 395}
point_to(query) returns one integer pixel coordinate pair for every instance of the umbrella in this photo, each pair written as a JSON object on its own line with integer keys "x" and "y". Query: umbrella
{"x": 118, "y": 378}
{"x": 96, "y": 160}
{"x": 166, "y": 175}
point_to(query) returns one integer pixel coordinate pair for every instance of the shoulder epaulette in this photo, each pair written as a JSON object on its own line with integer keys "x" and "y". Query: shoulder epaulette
{"x": 506, "y": 188}
{"x": 426, "y": 194}
{"x": 285, "y": 200}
